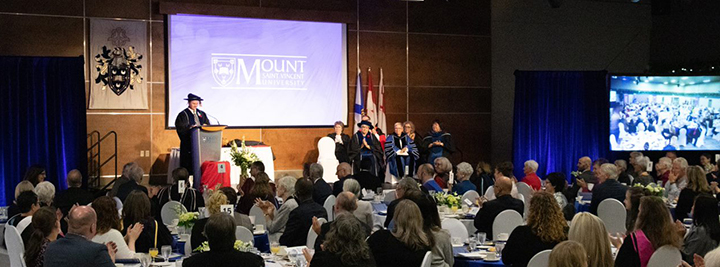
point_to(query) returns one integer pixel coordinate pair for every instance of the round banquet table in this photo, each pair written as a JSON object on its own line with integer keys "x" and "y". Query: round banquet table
{"x": 466, "y": 262}
{"x": 262, "y": 243}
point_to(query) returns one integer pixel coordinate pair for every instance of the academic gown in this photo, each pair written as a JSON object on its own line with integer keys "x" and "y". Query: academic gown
{"x": 183, "y": 124}
{"x": 396, "y": 163}
{"x": 358, "y": 152}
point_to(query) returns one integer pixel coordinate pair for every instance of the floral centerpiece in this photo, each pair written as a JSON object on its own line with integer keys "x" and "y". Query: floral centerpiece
{"x": 242, "y": 157}
{"x": 187, "y": 219}
{"x": 239, "y": 245}
{"x": 653, "y": 189}
{"x": 445, "y": 199}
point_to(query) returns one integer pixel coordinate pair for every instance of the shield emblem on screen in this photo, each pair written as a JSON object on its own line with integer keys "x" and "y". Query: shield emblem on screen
{"x": 223, "y": 70}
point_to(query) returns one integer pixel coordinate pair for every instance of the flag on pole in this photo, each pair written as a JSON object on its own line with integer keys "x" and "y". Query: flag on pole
{"x": 358, "y": 101}
{"x": 381, "y": 120}
{"x": 371, "y": 110}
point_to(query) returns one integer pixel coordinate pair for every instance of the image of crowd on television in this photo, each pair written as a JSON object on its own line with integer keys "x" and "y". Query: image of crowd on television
{"x": 642, "y": 121}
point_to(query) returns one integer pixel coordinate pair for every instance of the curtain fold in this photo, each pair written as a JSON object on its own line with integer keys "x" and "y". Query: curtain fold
{"x": 559, "y": 116}
{"x": 43, "y": 101}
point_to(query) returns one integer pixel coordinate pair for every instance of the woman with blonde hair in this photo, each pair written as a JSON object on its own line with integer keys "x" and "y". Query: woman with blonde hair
{"x": 407, "y": 243}
{"x": 697, "y": 184}
{"x": 442, "y": 171}
{"x": 546, "y": 227}
{"x": 409, "y": 129}
{"x": 569, "y": 254}
{"x": 213, "y": 204}
{"x": 590, "y": 231}
{"x": 23, "y": 186}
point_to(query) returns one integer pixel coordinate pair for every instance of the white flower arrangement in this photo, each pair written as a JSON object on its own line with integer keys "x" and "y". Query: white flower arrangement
{"x": 653, "y": 189}
{"x": 242, "y": 157}
{"x": 445, "y": 199}
{"x": 239, "y": 245}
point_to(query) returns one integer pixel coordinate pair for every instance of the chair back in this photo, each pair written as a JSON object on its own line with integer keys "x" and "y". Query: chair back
{"x": 456, "y": 228}
{"x": 427, "y": 260}
{"x": 244, "y": 235}
{"x": 665, "y": 256}
{"x": 15, "y": 246}
{"x": 259, "y": 216}
{"x": 505, "y": 222}
{"x": 312, "y": 236}
{"x": 526, "y": 205}
{"x": 490, "y": 193}
{"x": 613, "y": 215}
{"x": 329, "y": 206}
{"x": 327, "y": 158}
{"x": 541, "y": 259}
{"x": 390, "y": 196}
{"x": 470, "y": 195}
{"x": 169, "y": 211}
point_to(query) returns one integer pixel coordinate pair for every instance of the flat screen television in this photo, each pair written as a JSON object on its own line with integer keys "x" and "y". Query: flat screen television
{"x": 664, "y": 112}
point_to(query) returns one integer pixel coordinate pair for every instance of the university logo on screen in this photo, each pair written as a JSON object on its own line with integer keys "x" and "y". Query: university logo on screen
{"x": 259, "y": 72}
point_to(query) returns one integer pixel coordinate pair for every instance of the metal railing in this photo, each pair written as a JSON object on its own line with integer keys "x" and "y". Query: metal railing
{"x": 95, "y": 160}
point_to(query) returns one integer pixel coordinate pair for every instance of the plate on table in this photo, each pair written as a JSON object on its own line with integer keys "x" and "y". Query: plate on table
{"x": 473, "y": 255}
{"x": 491, "y": 260}
{"x": 173, "y": 256}
{"x": 484, "y": 247}
{"x": 162, "y": 264}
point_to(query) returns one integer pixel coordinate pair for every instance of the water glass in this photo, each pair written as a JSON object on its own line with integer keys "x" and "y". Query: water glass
{"x": 481, "y": 238}
{"x": 144, "y": 259}
{"x": 165, "y": 252}
{"x": 499, "y": 246}
{"x": 472, "y": 243}
{"x": 379, "y": 191}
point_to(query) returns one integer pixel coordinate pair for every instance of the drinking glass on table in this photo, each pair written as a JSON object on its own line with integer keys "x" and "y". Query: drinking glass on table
{"x": 144, "y": 259}
{"x": 499, "y": 246}
{"x": 481, "y": 238}
{"x": 165, "y": 251}
{"x": 472, "y": 243}
{"x": 274, "y": 247}
{"x": 153, "y": 253}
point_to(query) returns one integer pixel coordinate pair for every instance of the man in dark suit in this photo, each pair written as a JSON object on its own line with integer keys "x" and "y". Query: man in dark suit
{"x": 345, "y": 205}
{"x": 187, "y": 120}
{"x": 344, "y": 172}
{"x": 77, "y": 249}
{"x": 135, "y": 175}
{"x": 301, "y": 218}
{"x": 367, "y": 179}
{"x": 74, "y": 194}
{"x": 321, "y": 189}
{"x": 580, "y": 182}
{"x": 609, "y": 187}
{"x": 504, "y": 201}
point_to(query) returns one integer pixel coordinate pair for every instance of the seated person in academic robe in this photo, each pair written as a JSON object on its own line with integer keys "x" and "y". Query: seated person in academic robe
{"x": 438, "y": 143}
{"x": 400, "y": 153}
{"x": 189, "y": 197}
{"x": 364, "y": 145}
{"x": 342, "y": 142}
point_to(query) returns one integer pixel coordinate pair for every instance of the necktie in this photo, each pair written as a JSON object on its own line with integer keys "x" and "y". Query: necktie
{"x": 197, "y": 120}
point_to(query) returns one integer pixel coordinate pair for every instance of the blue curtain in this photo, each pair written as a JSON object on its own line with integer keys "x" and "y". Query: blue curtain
{"x": 43, "y": 102}
{"x": 559, "y": 117}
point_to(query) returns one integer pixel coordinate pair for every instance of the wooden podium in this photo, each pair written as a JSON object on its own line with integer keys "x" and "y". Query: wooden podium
{"x": 206, "y": 146}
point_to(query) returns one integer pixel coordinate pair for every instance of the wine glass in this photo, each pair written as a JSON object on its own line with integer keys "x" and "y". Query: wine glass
{"x": 144, "y": 259}
{"x": 274, "y": 247}
{"x": 153, "y": 253}
{"x": 165, "y": 251}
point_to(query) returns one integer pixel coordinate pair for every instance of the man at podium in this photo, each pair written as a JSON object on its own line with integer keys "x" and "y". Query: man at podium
{"x": 188, "y": 119}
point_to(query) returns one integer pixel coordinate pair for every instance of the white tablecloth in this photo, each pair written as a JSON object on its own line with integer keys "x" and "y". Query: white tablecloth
{"x": 263, "y": 152}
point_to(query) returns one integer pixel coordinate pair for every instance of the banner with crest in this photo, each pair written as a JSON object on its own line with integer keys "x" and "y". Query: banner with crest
{"x": 118, "y": 64}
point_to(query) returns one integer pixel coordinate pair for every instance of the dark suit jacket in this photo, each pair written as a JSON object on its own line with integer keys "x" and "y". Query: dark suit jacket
{"x": 338, "y": 186}
{"x": 65, "y": 200}
{"x": 325, "y": 228}
{"x": 609, "y": 189}
{"x": 126, "y": 188}
{"x": 224, "y": 257}
{"x": 486, "y": 216}
{"x": 368, "y": 181}
{"x": 76, "y": 251}
{"x": 299, "y": 223}
{"x": 341, "y": 150}
{"x": 321, "y": 190}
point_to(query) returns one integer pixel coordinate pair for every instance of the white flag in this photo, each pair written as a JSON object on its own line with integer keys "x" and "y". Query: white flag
{"x": 381, "y": 120}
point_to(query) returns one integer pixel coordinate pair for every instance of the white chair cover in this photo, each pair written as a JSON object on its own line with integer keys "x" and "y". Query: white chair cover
{"x": 505, "y": 222}
{"x": 259, "y": 215}
{"x": 169, "y": 211}
{"x": 311, "y": 236}
{"x": 15, "y": 246}
{"x": 526, "y": 191}
{"x": 23, "y": 224}
{"x": 665, "y": 256}
{"x": 327, "y": 159}
{"x": 490, "y": 193}
{"x": 329, "y": 206}
{"x": 243, "y": 234}
{"x": 427, "y": 260}
{"x": 118, "y": 203}
{"x": 613, "y": 215}
{"x": 541, "y": 259}
{"x": 389, "y": 197}
{"x": 456, "y": 228}
{"x": 470, "y": 195}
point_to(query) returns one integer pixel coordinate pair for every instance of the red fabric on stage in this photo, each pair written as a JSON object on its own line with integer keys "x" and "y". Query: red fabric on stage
{"x": 210, "y": 175}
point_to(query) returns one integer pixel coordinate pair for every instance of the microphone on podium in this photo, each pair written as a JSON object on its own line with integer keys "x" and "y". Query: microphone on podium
{"x": 211, "y": 116}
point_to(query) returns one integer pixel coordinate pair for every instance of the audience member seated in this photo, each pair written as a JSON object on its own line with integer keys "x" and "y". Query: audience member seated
{"x": 23, "y": 186}
{"x": 346, "y": 203}
{"x": 366, "y": 178}
{"x": 301, "y": 218}
{"x": 557, "y": 184}
{"x": 343, "y": 172}
{"x": 246, "y": 184}
{"x": 321, "y": 189}
{"x": 442, "y": 252}
{"x": 705, "y": 163}
{"x": 704, "y": 234}
{"x": 406, "y": 188}
{"x": 190, "y": 197}
{"x": 483, "y": 177}
{"x": 490, "y": 209}
{"x": 406, "y": 243}
{"x": 76, "y": 249}
{"x": 443, "y": 167}
{"x": 127, "y": 172}
{"x": 260, "y": 190}
{"x": 46, "y": 229}
{"x": 28, "y": 204}
{"x": 35, "y": 174}
{"x": 74, "y": 193}
{"x": 240, "y": 219}
{"x": 214, "y": 202}
{"x": 677, "y": 180}
{"x": 276, "y": 219}
{"x": 220, "y": 232}
{"x": 663, "y": 167}
{"x": 426, "y": 173}
{"x": 590, "y": 231}
{"x": 609, "y": 187}
{"x": 623, "y": 176}
{"x": 653, "y": 229}
{"x": 46, "y": 193}
{"x": 345, "y": 244}
{"x": 531, "y": 178}
{"x": 506, "y": 169}
{"x": 136, "y": 209}
{"x": 464, "y": 171}
{"x": 135, "y": 175}
{"x": 108, "y": 228}
{"x": 546, "y": 227}
{"x": 640, "y": 172}
{"x": 364, "y": 208}
{"x": 632, "y": 205}
{"x": 580, "y": 181}
{"x": 596, "y": 167}
{"x": 697, "y": 184}
{"x": 569, "y": 254}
